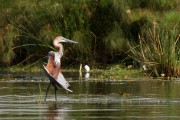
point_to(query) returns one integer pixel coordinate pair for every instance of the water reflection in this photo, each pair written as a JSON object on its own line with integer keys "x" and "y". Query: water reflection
{"x": 58, "y": 111}
{"x": 87, "y": 75}
{"x": 83, "y": 75}
{"x": 52, "y": 113}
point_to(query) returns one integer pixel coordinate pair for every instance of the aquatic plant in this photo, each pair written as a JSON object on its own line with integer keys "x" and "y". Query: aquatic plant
{"x": 40, "y": 96}
{"x": 158, "y": 50}
{"x": 120, "y": 72}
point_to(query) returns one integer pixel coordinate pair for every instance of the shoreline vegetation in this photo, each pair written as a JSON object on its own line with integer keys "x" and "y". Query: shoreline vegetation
{"x": 114, "y": 72}
{"x": 118, "y": 37}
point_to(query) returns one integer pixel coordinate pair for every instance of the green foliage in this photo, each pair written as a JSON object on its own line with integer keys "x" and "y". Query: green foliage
{"x": 158, "y": 50}
{"x": 102, "y": 28}
{"x": 39, "y": 23}
{"x": 8, "y": 38}
{"x": 119, "y": 72}
{"x": 159, "y": 5}
{"x": 171, "y": 20}
{"x": 115, "y": 41}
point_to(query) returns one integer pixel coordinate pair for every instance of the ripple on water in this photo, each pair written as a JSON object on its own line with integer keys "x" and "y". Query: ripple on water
{"x": 23, "y": 99}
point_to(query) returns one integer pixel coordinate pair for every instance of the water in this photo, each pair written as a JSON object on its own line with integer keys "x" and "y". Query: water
{"x": 21, "y": 98}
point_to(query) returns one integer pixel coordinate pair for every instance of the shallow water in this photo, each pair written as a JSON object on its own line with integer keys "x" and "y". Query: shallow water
{"x": 22, "y": 96}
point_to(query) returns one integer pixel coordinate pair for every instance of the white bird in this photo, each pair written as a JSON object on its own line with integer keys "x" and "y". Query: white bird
{"x": 144, "y": 67}
{"x": 87, "y": 68}
{"x": 53, "y": 67}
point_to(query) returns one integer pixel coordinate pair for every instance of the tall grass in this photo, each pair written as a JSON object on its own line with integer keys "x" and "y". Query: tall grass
{"x": 158, "y": 50}
{"x": 8, "y": 38}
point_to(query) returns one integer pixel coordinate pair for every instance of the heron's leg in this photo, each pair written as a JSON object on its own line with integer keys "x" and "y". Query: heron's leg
{"x": 55, "y": 89}
{"x": 47, "y": 91}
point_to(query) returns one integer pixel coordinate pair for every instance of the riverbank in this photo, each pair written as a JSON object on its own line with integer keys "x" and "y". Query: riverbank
{"x": 112, "y": 72}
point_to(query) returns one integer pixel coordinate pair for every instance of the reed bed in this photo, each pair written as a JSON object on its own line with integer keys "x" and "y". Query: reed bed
{"x": 158, "y": 52}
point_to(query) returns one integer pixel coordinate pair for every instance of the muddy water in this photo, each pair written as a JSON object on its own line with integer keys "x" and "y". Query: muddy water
{"x": 21, "y": 98}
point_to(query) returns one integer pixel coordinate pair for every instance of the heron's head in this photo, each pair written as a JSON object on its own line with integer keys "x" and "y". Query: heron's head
{"x": 60, "y": 39}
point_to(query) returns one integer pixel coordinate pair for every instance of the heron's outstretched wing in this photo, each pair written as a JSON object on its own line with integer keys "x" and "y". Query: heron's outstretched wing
{"x": 61, "y": 81}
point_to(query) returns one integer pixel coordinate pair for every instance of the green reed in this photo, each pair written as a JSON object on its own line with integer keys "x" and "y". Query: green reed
{"x": 158, "y": 50}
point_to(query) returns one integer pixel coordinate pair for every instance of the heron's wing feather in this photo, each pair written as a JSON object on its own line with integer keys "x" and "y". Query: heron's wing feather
{"x": 61, "y": 80}
{"x": 48, "y": 74}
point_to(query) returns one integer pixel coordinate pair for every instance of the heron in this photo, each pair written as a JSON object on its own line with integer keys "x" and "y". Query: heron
{"x": 53, "y": 67}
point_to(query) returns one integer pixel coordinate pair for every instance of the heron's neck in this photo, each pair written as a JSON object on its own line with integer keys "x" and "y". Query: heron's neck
{"x": 61, "y": 50}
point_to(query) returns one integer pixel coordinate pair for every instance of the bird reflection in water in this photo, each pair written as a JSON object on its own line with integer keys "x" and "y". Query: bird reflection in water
{"x": 55, "y": 113}
{"x": 52, "y": 113}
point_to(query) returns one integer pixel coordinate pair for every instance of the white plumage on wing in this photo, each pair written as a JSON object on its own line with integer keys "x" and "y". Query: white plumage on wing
{"x": 61, "y": 80}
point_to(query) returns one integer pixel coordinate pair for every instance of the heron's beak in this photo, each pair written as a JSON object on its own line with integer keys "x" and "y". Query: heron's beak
{"x": 67, "y": 40}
